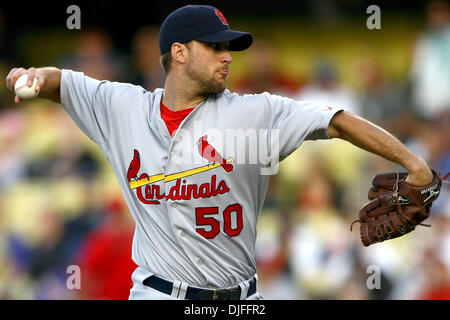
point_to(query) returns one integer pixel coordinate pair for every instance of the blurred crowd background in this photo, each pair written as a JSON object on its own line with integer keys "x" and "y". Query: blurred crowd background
{"x": 60, "y": 204}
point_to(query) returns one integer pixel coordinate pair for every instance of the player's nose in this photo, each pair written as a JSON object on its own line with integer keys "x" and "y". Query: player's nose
{"x": 226, "y": 57}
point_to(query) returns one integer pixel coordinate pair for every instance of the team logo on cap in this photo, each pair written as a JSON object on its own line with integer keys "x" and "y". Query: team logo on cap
{"x": 221, "y": 16}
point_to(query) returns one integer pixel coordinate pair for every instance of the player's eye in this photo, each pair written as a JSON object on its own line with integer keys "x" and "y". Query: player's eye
{"x": 215, "y": 46}
{"x": 219, "y": 46}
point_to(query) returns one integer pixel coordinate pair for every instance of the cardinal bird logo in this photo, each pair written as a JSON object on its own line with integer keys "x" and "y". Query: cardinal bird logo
{"x": 134, "y": 167}
{"x": 221, "y": 17}
{"x": 208, "y": 152}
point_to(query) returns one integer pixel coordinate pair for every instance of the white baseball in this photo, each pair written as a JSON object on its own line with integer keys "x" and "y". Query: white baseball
{"x": 22, "y": 90}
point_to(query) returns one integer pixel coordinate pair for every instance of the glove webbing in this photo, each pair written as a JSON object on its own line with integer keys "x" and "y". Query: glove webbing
{"x": 398, "y": 206}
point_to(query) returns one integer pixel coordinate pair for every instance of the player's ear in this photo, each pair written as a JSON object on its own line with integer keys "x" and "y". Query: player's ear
{"x": 179, "y": 52}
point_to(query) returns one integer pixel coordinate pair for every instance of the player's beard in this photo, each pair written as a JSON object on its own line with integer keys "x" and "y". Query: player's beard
{"x": 206, "y": 83}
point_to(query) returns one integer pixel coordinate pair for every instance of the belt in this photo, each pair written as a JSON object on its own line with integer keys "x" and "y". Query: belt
{"x": 193, "y": 293}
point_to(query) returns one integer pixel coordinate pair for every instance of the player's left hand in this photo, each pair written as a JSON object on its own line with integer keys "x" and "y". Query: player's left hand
{"x": 421, "y": 175}
{"x": 397, "y": 206}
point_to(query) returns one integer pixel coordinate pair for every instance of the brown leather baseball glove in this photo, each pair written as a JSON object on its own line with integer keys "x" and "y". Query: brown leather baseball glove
{"x": 396, "y": 207}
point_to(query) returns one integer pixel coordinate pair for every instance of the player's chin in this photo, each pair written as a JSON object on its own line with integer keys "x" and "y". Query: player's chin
{"x": 219, "y": 86}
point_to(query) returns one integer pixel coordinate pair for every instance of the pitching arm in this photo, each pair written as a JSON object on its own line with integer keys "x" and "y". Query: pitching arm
{"x": 370, "y": 137}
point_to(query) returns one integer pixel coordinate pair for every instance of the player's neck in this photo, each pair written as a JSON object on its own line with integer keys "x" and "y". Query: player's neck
{"x": 179, "y": 96}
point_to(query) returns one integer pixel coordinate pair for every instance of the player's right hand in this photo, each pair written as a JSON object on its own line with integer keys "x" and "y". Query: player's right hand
{"x": 16, "y": 73}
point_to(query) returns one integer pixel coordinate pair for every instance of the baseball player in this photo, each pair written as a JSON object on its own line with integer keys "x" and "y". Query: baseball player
{"x": 194, "y": 199}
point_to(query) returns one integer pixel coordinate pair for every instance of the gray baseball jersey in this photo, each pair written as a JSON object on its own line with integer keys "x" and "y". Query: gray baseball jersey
{"x": 195, "y": 196}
